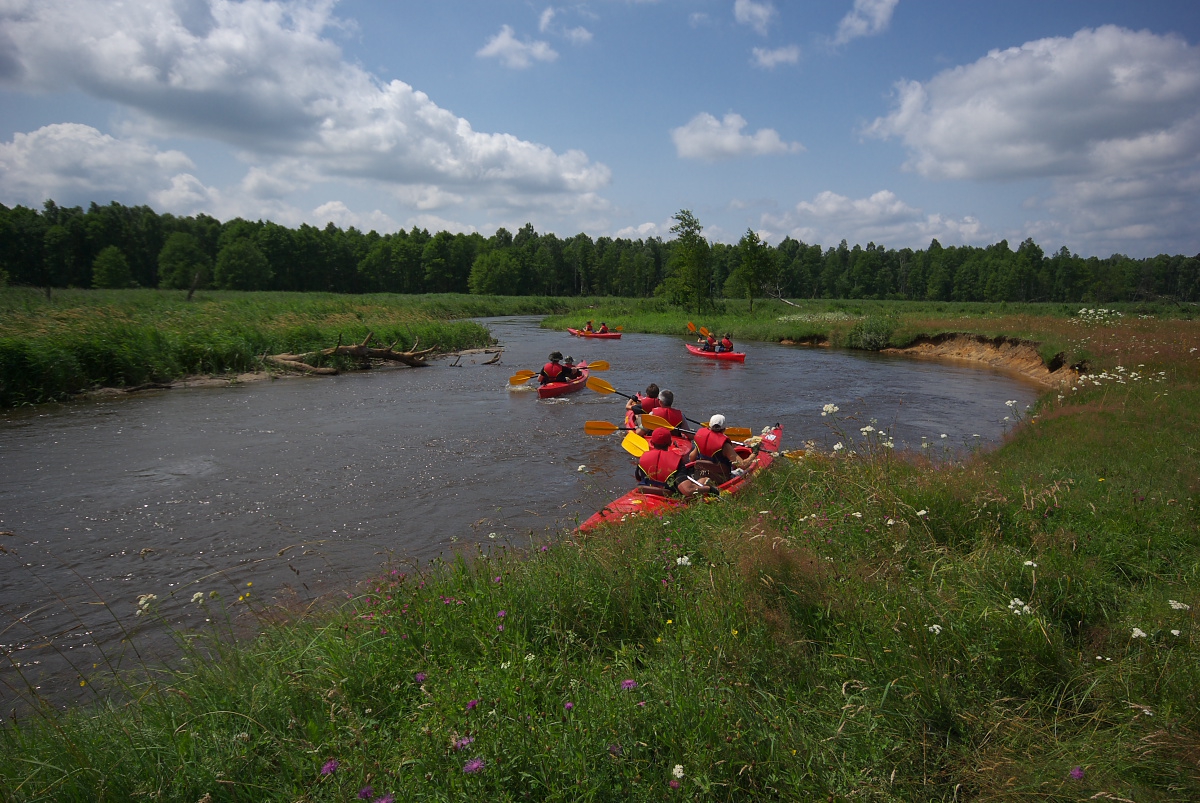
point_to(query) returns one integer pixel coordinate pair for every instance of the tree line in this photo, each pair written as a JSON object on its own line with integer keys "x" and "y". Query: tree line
{"x": 133, "y": 246}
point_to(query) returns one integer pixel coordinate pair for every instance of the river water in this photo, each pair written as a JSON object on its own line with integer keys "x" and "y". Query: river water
{"x": 296, "y": 488}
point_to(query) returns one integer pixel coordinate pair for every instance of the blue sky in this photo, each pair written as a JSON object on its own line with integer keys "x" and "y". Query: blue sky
{"x": 886, "y": 121}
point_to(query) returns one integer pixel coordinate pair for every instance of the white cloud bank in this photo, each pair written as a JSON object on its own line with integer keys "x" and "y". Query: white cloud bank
{"x": 264, "y": 78}
{"x": 1111, "y": 116}
{"x": 706, "y": 138}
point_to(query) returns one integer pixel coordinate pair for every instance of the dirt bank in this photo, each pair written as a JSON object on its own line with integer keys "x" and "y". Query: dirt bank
{"x": 1020, "y": 357}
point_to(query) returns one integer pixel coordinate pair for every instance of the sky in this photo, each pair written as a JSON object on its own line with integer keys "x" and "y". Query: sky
{"x": 1072, "y": 122}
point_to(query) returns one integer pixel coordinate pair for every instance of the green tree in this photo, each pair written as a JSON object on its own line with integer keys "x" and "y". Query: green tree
{"x": 241, "y": 266}
{"x": 495, "y": 273}
{"x": 182, "y": 262}
{"x": 692, "y": 270}
{"x": 110, "y": 270}
{"x": 755, "y": 268}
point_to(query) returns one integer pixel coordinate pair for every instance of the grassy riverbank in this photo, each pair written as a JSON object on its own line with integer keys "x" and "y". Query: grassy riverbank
{"x": 862, "y": 625}
{"x": 83, "y": 339}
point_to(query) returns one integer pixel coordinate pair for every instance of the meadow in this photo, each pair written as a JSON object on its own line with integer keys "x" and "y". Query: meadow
{"x": 862, "y": 624}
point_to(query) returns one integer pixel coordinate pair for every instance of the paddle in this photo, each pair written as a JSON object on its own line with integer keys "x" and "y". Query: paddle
{"x": 651, "y": 421}
{"x": 598, "y": 365}
{"x": 600, "y": 386}
{"x": 691, "y": 327}
{"x": 635, "y": 444}
{"x": 520, "y": 377}
{"x": 619, "y": 328}
{"x": 601, "y": 428}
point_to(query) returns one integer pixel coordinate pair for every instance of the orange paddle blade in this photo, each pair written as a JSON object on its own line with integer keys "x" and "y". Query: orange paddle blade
{"x": 599, "y": 427}
{"x": 620, "y": 328}
{"x": 704, "y": 331}
{"x": 519, "y": 379}
{"x": 691, "y": 326}
{"x": 599, "y": 385}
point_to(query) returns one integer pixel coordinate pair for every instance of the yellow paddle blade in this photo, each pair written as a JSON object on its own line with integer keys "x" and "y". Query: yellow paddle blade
{"x": 598, "y": 365}
{"x": 599, "y": 427}
{"x": 518, "y": 379}
{"x": 619, "y": 328}
{"x": 635, "y": 444}
{"x": 599, "y": 385}
{"x": 652, "y": 421}
{"x": 738, "y": 432}
{"x": 691, "y": 326}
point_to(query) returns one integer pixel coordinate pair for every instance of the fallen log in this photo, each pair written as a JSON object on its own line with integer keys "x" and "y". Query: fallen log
{"x": 364, "y": 352}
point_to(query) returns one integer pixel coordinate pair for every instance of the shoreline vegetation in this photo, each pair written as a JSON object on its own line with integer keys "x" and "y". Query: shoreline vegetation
{"x": 1016, "y": 625}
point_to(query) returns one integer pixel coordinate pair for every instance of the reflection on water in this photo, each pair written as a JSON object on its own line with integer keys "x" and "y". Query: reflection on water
{"x": 303, "y": 486}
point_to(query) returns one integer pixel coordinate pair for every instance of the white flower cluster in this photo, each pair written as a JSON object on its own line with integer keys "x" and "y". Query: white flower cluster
{"x": 829, "y": 409}
{"x": 1176, "y": 605}
{"x": 683, "y": 560}
{"x": 144, "y": 603}
{"x": 935, "y": 629}
{"x": 815, "y": 317}
{"x": 1019, "y": 607}
{"x": 1120, "y": 376}
{"x": 1099, "y": 315}
{"x": 1138, "y": 633}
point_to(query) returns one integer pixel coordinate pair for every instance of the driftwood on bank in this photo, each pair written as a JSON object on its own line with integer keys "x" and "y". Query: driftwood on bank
{"x": 363, "y": 352}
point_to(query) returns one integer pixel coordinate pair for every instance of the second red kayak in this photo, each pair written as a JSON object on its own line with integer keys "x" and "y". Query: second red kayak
{"x": 732, "y": 356}
{"x": 603, "y": 335}
{"x": 552, "y": 389}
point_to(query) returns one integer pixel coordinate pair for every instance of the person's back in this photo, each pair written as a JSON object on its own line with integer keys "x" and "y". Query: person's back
{"x": 569, "y": 371}
{"x": 666, "y": 411}
{"x": 603, "y": 328}
{"x": 726, "y": 343}
{"x": 552, "y": 370}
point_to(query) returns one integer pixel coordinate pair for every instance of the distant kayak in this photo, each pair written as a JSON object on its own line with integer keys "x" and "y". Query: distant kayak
{"x": 552, "y": 389}
{"x": 606, "y": 335}
{"x": 647, "y": 501}
{"x": 733, "y": 356}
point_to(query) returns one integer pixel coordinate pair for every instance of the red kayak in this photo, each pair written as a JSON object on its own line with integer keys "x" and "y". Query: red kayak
{"x": 552, "y": 389}
{"x": 733, "y": 356}
{"x": 646, "y": 501}
{"x": 605, "y": 335}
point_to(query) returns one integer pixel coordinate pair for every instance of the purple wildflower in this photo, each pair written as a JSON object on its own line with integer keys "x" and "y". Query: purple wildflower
{"x": 388, "y": 798}
{"x": 329, "y": 767}
{"x": 642, "y": 704}
{"x": 615, "y": 749}
{"x": 495, "y": 579}
{"x": 543, "y": 549}
{"x": 463, "y": 742}
{"x": 471, "y": 705}
{"x": 365, "y": 793}
{"x": 420, "y": 676}
{"x": 502, "y": 614}
{"x": 1077, "y": 773}
{"x": 626, "y": 685}
{"x": 568, "y": 706}
{"x": 473, "y": 766}
{"x": 674, "y": 784}
{"x": 500, "y": 628}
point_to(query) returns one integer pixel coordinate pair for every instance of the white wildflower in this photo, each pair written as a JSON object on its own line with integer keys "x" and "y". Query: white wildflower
{"x": 935, "y": 629}
{"x": 582, "y": 468}
{"x": 829, "y": 409}
{"x": 856, "y": 515}
{"x": 1179, "y": 606}
{"x": 1174, "y": 632}
{"x": 890, "y": 522}
{"x": 506, "y": 664}
{"x": 922, "y": 512}
{"x": 529, "y": 658}
{"x": 198, "y": 598}
{"x": 1138, "y": 633}
{"x": 683, "y": 560}
{"x": 678, "y": 771}
{"x": 944, "y": 435}
{"x": 1011, "y": 402}
{"x": 1019, "y": 607}
{"x": 867, "y": 429}
{"x": 837, "y": 447}
{"x": 1031, "y": 563}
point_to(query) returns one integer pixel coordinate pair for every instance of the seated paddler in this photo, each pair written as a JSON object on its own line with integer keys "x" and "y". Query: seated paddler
{"x": 552, "y": 370}
{"x": 712, "y": 446}
{"x": 569, "y": 371}
{"x": 660, "y": 467}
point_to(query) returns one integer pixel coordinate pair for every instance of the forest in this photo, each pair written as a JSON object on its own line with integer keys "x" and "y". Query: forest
{"x": 116, "y": 246}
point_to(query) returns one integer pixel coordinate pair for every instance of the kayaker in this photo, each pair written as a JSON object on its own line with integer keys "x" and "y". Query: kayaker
{"x": 710, "y": 342}
{"x": 551, "y": 371}
{"x": 569, "y": 371}
{"x": 727, "y": 342}
{"x": 587, "y": 327}
{"x": 641, "y": 403}
{"x": 659, "y": 467}
{"x": 713, "y": 444}
{"x": 603, "y": 328}
{"x": 664, "y": 409}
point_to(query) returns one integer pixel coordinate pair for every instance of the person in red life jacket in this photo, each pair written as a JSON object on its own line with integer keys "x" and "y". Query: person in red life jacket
{"x": 713, "y": 445}
{"x": 659, "y": 467}
{"x": 569, "y": 371}
{"x": 641, "y": 403}
{"x": 664, "y": 409}
{"x": 726, "y": 342}
{"x": 551, "y": 371}
{"x": 587, "y": 327}
{"x": 603, "y": 328}
{"x": 710, "y": 342}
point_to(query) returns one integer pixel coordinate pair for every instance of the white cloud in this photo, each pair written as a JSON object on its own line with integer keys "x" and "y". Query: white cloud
{"x": 76, "y": 164}
{"x": 706, "y": 138}
{"x": 755, "y": 14}
{"x": 514, "y": 53}
{"x": 340, "y": 215}
{"x": 546, "y": 19}
{"x": 1112, "y": 116}
{"x": 881, "y": 218}
{"x": 264, "y": 78}
{"x": 645, "y": 231}
{"x": 770, "y": 59}
{"x": 578, "y": 35}
{"x": 867, "y": 18}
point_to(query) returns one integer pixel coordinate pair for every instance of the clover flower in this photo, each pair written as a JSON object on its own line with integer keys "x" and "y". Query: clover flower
{"x": 567, "y": 706}
{"x": 628, "y": 684}
{"x": 419, "y": 677}
{"x": 472, "y": 705}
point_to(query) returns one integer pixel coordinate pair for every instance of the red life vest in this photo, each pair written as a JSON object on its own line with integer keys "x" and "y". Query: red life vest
{"x": 630, "y": 419}
{"x": 660, "y": 466}
{"x": 727, "y": 344}
{"x": 648, "y": 403}
{"x": 712, "y": 342}
{"x": 551, "y": 372}
{"x": 672, "y": 416}
{"x": 603, "y": 329}
{"x": 709, "y": 444}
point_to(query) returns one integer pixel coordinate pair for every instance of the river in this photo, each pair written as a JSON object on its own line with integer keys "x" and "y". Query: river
{"x": 292, "y": 489}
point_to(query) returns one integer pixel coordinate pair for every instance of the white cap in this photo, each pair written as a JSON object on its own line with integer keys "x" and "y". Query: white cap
{"x": 717, "y": 420}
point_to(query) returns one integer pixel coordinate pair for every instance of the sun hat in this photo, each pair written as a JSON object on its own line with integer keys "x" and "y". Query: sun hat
{"x": 569, "y": 359}
{"x": 555, "y": 355}
{"x": 661, "y": 437}
{"x": 716, "y": 422}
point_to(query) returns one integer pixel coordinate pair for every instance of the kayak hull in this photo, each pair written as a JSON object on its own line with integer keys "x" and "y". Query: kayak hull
{"x": 643, "y": 501}
{"x": 552, "y": 389}
{"x": 728, "y": 356}
{"x": 598, "y": 335}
